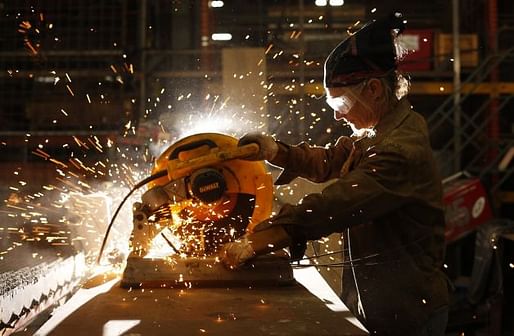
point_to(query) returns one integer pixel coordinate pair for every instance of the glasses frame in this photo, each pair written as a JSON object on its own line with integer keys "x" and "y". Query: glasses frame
{"x": 342, "y": 104}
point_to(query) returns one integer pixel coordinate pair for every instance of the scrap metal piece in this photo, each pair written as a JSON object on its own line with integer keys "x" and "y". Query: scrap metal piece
{"x": 26, "y": 292}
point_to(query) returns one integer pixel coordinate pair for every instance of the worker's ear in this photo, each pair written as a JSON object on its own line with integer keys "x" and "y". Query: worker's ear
{"x": 375, "y": 89}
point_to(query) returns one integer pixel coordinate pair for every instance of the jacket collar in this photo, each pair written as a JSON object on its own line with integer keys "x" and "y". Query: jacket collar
{"x": 387, "y": 124}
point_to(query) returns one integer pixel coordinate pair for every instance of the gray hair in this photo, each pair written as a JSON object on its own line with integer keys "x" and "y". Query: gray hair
{"x": 395, "y": 87}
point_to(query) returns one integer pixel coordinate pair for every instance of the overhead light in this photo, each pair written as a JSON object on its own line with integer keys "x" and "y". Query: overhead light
{"x": 322, "y": 3}
{"x": 216, "y": 4}
{"x": 221, "y": 37}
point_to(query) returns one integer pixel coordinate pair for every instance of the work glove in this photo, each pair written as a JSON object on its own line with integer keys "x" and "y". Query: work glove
{"x": 296, "y": 238}
{"x": 233, "y": 255}
{"x": 268, "y": 147}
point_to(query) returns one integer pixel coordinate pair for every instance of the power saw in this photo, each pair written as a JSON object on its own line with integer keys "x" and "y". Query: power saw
{"x": 201, "y": 195}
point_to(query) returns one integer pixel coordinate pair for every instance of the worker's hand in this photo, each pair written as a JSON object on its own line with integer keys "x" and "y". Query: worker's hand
{"x": 268, "y": 147}
{"x": 236, "y": 253}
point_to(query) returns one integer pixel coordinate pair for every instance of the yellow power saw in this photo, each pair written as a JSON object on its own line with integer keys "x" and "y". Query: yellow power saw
{"x": 201, "y": 195}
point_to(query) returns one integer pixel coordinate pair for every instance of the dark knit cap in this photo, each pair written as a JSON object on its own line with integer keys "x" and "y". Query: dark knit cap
{"x": 370, "y": 52}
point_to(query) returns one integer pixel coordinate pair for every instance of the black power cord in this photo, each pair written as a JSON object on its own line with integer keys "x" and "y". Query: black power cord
{"x": 138, "y": 185}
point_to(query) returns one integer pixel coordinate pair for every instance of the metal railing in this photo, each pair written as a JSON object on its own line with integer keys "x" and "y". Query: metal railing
{"x": 469, "y": 144}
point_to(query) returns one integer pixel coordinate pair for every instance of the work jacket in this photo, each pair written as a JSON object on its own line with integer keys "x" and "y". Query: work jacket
{"x": 387, "y": 202}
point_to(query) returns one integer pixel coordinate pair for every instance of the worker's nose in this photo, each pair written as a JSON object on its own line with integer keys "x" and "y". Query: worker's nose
{"x": 341, "y": 105}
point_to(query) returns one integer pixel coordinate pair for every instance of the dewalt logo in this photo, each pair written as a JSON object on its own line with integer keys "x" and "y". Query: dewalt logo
{"x": 209, "y": 187}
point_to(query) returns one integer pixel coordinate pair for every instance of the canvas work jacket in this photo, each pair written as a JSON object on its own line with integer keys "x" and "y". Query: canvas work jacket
{"x": 387, "y": 202}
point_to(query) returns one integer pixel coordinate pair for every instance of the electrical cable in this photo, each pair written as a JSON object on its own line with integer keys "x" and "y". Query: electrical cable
{"x": 356, "y": 262}
{"x": 324, "y": 254}
{"x": 343, "y": 264}
{"x": 138, "y": 185}
{"x": 170, "y": 243}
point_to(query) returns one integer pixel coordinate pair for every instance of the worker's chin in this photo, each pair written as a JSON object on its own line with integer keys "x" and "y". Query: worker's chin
{"x": 361, "y": 132}
{"x": 338, "y": 116}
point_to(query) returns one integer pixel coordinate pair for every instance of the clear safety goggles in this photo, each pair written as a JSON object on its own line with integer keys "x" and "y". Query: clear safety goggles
{"x": 343, "y": 104}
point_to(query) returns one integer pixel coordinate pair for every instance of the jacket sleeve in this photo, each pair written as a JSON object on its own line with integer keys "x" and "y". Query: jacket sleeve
{"x": 318, "y": 164}
{"x": 380, "y": 184}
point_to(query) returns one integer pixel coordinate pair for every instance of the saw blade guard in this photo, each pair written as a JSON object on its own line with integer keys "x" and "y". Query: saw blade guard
{"x": 210, "y": 195}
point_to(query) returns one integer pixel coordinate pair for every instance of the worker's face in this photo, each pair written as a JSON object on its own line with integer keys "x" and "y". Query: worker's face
{"x": 352, "y": 103}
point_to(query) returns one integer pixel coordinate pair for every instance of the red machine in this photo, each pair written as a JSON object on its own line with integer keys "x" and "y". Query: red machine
{"x": 466, "y": 206}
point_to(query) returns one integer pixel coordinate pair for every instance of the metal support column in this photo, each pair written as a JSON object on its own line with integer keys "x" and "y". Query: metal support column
{"x": 492, "y": 38}
{"x": 205, "y": 35}
{"x": 205, "y": 45}
{"x": 301, "y": 125}
{"x": 456, "y": 88}
{"x": 142, "y": 61}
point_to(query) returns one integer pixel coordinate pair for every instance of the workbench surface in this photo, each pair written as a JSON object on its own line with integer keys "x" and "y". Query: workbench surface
{"x": 289, "y": 310}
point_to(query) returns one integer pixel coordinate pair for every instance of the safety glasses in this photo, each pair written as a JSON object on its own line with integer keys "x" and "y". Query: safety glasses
{"x": 343, "y": 104}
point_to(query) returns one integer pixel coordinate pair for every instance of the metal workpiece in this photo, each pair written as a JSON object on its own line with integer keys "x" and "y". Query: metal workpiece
{"x": 178, "y": 272}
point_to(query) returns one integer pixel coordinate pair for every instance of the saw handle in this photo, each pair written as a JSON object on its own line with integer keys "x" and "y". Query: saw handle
{"x": 190, "y": 146}
{"x": 178, "y": 169}
{"x": 247, "y": 150}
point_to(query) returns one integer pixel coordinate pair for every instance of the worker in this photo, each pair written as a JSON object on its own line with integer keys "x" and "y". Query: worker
{"x": 386, "y": 199}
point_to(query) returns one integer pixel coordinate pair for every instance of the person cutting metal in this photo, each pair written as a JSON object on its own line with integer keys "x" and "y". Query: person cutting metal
{"x": 386, "y": 199}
